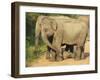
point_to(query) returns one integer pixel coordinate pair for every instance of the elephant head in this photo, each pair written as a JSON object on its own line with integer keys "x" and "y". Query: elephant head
{"x": 45, "y": 27}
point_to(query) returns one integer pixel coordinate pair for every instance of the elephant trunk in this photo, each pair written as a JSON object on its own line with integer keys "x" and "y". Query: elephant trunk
{"x": 38, "y": 30}
{"x": 45, "y": 39}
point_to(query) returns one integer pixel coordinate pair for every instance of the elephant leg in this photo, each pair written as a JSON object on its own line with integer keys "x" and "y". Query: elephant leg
{"x": 62, "y": 52}
{"x": 82, "y": 54}
{"x": 74, "y": 51}
{"x": 78, "y": 53}
{"x": 60, "y": 56}
{"x": 57, "y": 40}
{"x": 48, "y": 52}
{"x": 53, "y": 55}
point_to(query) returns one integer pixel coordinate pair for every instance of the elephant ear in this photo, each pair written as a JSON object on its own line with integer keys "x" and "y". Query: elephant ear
{"x": 53, "y": 25}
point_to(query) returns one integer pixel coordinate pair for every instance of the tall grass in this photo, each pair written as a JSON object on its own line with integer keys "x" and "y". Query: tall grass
{"x": 33, "y": 54}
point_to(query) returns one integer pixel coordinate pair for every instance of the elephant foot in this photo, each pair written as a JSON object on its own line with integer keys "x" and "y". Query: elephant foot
{"x": 82, "y": 56}
{"x": 52, "y": 59}
{"x": 59, "y": 58}
{"x": 77, "y": 58}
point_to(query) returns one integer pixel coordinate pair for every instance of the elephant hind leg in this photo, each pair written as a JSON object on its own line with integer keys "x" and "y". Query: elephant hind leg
{"x": 78, "y": 53}
{"x": 82, "y": 54}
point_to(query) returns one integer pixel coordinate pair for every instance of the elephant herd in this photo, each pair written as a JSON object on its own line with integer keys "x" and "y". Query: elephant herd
{"x": 62, "y": 34}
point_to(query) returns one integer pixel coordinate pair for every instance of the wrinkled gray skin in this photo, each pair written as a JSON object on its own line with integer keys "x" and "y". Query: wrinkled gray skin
{"x": 64, "y": 31}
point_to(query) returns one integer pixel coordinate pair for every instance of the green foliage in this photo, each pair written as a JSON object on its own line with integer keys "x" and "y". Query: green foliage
{"x": 32, "y": 54}
{"x": 30, "y": 28}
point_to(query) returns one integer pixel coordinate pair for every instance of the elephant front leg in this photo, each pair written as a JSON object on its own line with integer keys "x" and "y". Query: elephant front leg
{"x": 48, "y": 52}
{"x": 57, "y": 40}
{"x": 59, "y": 57}
{"x": 59, "y": 54}
{"x": 53, "y": 55}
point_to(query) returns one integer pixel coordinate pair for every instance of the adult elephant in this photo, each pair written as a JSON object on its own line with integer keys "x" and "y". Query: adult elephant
{"x": 45, "y": 27}
{"x": 62, "y": 31}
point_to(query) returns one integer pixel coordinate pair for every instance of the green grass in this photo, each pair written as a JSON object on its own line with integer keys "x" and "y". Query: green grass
{"x": 33, "y": 54}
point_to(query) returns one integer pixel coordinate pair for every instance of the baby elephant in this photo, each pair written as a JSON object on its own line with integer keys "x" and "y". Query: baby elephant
{"x": 52, "y": 55}
{"x": 67, "y": 51}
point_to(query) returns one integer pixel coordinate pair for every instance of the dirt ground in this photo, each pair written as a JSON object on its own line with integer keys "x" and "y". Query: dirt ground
{"x": 42, "y": 61}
